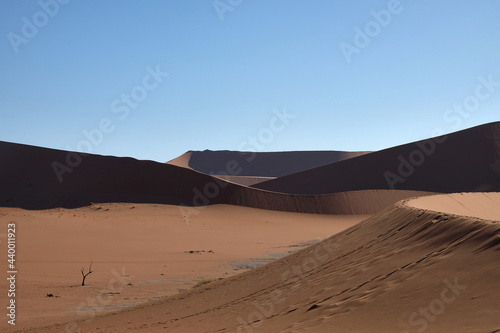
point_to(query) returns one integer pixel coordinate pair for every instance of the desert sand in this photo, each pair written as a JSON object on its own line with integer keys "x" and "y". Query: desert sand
{"x": 405, "y": 269}
{"x": 146, "y": 245}
{"x": 332, "y": 248}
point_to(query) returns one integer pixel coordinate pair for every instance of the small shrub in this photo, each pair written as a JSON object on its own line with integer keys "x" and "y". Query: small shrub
{"x": 204, "y": 281}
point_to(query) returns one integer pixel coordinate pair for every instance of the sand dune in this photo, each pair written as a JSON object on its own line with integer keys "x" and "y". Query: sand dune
{"x": 464, "y": 161}
{"x": 405, "y": 269}
{"x": 259, "y": 164}
{"x": 30, "y": 181}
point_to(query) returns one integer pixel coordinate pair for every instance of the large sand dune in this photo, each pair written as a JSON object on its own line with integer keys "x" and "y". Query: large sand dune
{"x": 464, "y": 161}
{"x": 405, "y": 269}
{"x": 29, "y": 179}
{"x": 40, "y": 178}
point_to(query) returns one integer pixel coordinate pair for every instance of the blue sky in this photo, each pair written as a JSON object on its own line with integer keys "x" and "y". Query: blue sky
{"x": 356, "y": 75}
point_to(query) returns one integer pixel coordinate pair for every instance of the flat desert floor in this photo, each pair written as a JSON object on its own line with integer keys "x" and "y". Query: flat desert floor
{"x": 142, "y": 252}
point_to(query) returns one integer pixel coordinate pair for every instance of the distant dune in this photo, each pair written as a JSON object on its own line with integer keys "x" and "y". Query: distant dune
{"x": 464, "y": 161}
{"x": 405, "y": 269}
{"x": 254, "y": 168}
{"x": 261, "y": 164}
{"x": 40, "y": 178}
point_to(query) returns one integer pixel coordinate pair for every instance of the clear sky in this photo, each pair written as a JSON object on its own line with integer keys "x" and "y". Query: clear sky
{"x": 153, "y": 79}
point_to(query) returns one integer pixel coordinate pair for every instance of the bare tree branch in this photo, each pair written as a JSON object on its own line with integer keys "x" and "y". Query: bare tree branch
{"x": 85, "y": 275}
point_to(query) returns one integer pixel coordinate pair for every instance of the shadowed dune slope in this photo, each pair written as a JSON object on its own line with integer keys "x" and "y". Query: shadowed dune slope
{"x": 28, "y": 180}
{"x": 464, "y": 161}
{"x": 353, "y": 202}
{"x": 262, "y": 164}
{"x": 405, "y": 269}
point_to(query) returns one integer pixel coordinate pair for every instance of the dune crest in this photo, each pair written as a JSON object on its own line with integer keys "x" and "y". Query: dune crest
{"x": 480, "y": 205}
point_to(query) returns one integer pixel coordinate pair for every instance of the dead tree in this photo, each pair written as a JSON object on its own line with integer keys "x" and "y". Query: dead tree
{"x": 85, "y": 275}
